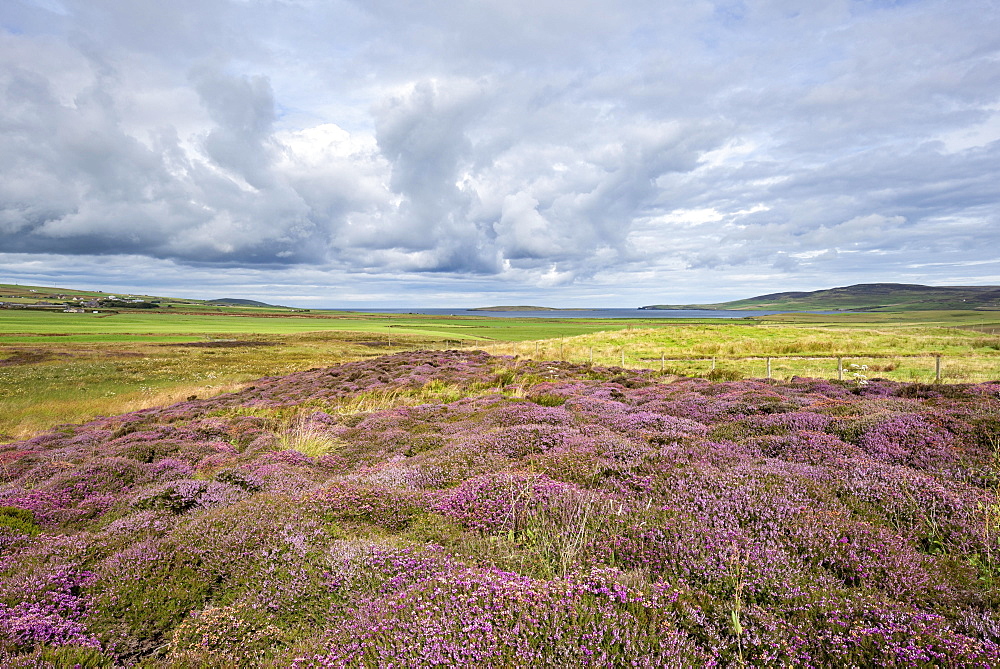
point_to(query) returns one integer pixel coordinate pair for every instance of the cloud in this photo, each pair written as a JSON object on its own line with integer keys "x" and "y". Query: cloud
{"x": 525, "y": 233}
{"x": 243, "y": 111}
{"x": 516, "y": 145}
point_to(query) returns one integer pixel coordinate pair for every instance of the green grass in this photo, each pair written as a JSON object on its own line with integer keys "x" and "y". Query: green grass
{"x": 891, "y": 348}
{"x": 946, "y": 318}
{"x": 16, "y": 324}
{"x": 57, "y": 381}
{"x": 65, "y": 368}
{"x": 95, "y": 338}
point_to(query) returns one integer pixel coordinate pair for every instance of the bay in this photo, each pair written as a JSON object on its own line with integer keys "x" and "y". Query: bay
{"x": 580, "y": 313}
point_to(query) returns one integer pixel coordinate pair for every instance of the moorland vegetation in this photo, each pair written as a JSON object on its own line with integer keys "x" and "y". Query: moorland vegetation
{"x": 451, "y": 507}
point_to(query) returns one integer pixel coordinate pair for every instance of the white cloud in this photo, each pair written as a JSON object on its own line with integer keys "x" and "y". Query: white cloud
{"x": 512, "y": 146}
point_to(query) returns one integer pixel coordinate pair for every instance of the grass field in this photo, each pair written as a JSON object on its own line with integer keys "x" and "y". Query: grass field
{"x": 901, "y": 347}
{"x": 66, "y": 368}
{"x": 22, "y": 326}
{"x": 898, "y": 350}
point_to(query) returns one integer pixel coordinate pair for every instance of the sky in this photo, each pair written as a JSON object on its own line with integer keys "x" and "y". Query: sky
{"x": 323, "y": 153}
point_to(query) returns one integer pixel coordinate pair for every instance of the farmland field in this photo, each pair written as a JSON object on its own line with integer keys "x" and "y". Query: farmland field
{"x": 803, "y": 345}
{"x": 60, "y": 368}
{"x": 64, "y": 368}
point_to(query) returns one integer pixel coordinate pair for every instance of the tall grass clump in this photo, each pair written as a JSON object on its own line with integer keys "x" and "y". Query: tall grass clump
{"x": 305, "y": 436}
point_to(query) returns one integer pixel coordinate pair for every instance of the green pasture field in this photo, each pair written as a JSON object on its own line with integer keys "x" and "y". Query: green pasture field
{"x": 988, "y": 320}
{"x": 895, "y": 346}
{"x": 60, "y": 367}
{"x": 66, "y": 368}
{"x": 56, "y": 380}
{"x": 35, "y": 326}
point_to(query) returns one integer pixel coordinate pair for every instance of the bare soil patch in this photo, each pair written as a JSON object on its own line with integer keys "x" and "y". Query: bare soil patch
{"x": 27, "y": 357}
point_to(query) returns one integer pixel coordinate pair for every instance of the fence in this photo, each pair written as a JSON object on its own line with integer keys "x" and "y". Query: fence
{"x": 924, "y": 367}
{"x": 909, "y": 367}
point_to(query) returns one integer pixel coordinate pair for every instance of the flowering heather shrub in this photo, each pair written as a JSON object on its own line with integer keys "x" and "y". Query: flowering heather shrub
{"x": 862, "y": 631}
{"x": 494, "y": 618}
{"x": 935, "y": 513}
{"x": 806, "y": 446}
{"x": 381, "y": 507}
{"x": 185, "y": 494}
{"x": 169, "y": 469}
{"x": 138, "y": 525}
{"x": 497, "y": 503}
{"x": 442, "y": 468}
{"x": 795, "y": 421}
{"x": 43, "y": 504}
{"x": 51, "y": 611}
{"x": 479, "y": 510}
{"x": 858, "y": 554}
{"x": 647, "y": 423}
{"x": 594, "y": 406}
{"x": 909, "y": 439}
{"x": 517, "y": 441}
{"x": 530, "y": 413}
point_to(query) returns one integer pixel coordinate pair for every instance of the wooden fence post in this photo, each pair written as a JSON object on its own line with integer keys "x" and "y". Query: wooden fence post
{"x": 840, "y": 369}
{"x": 623, "y": 356}
{"x": 662, "y": 361}
{"x": 937, "y": 368}
{"x": 768, "y": 368}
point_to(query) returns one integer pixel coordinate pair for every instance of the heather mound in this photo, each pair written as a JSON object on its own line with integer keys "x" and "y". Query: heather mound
{"x": 433, "y": 508}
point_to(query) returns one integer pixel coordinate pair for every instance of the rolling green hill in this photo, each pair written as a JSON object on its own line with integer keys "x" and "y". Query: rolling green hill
{"x": 30, "y": 296}
{"x": 866, "y": 297}
{"x": 237, "y": 302}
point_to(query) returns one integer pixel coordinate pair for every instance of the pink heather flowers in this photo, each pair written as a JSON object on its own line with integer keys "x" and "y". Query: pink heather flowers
{"x": 455, "y": 508}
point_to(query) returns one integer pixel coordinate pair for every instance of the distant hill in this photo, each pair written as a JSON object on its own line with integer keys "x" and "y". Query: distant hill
{"x": 866, "y": 297}
{"x": 237, "y": 302}
{"x": 14, "y": 295}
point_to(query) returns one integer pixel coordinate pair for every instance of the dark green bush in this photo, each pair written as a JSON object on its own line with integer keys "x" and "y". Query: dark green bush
{"x": 21, "y": 521}
{"x": 548, "y": 400}
{"x": 724, "y": 375}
